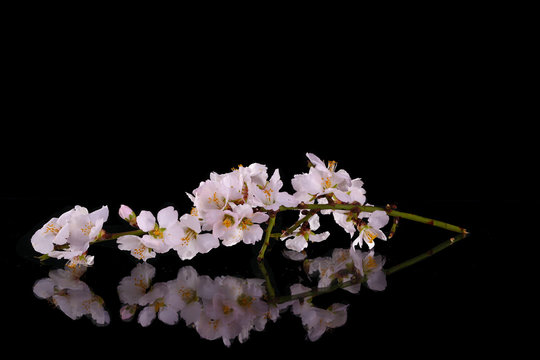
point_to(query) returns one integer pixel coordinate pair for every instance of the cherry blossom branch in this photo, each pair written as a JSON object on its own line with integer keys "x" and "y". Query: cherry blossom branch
{"x": 271, "y": 222}
{"x": 388, "y": 210}
{"x": 114, "y": 236}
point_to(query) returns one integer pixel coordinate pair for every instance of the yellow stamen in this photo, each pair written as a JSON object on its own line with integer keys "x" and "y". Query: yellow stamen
{"x": 157, "y": 232}
{"x": 245, "y": 223}
{"x": 332, "y": 165}
{"x": 52, "y": 228}
{"x": 228, "y": 221}
{"x": 189, "y": 235}
{"x": 87, "y": 228}
{"x": 327, "y": 183}
{"x": 369, "y": 235}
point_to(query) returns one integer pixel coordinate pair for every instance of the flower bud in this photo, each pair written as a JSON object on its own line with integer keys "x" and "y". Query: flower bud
{"x": 127, "y": 214}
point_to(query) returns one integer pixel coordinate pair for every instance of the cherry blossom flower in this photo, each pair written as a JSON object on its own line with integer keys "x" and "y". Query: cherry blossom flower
{"x": 70, "y": 234}
{"x": 269, "y": 195}
{"x": 248, "y": 223}
{"x": 136, "y": 247}
{"x": 321, "y": 180}
{"x": 300, "y": 237}
{"x": 192, "y": 242}
{"x": 164, "y": 233}
{"x": 372, "y": 230}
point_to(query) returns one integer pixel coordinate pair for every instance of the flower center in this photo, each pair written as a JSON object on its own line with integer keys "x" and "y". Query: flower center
{"x": 87, "y": 228}
{"x": 188, "y": 235}
{"x": 369, "y": 235}
{"x": 157, "y": 232}
{"x": 140, "y": 251}
{"x": 52, "y": 228}
{"x": 245, "y": 223}
{"x": 228, "y": 221}
{"x": 327, "y": 183}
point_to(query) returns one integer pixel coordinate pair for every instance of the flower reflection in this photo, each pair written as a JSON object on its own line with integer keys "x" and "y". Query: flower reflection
{"x": 224, "y": 307}
{"x": 73, "y": 297}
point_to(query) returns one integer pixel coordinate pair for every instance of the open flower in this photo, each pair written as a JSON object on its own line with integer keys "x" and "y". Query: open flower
{"x": 192, "y": 242}
{"x": 70, "y": 234}
{"x": 163, "y": 234}
{"x": 136, "y": 247}
{"x": 225, "y": 226}
{"x": 372, "y": 230}
{"x": 321, "y": 180}
{"x": 299, "y": 239}
{"x": 268, "y": 195}
{"x": 248, "y": 223}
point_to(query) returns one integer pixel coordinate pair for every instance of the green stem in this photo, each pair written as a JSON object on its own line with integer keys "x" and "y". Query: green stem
{"x": 271, "y": 222}
{"x": 390, "y": 212}
{"x": 295, "y": 226}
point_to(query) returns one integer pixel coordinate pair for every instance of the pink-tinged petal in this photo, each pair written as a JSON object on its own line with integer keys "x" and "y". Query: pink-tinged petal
{"x": 102, "y": 214}
{"x": 146, "y": 221}
{"x": 378, "y": 219}
{"x": 167, "y": 216}
{"x": 259, "y": 217}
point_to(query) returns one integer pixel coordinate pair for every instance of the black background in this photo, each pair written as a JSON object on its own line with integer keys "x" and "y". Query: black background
{"x": 436, "y": 126}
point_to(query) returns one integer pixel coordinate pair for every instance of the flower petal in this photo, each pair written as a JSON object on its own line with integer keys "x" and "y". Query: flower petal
{"x": 167, "y": 216}
{"x": 146, "y": 221}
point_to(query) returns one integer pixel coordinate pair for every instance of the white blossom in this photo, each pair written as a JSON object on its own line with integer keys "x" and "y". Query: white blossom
{"x": 300, "y": 237}
{"x": 70, "y": 234}
{"x": 321, "y": 180}
{"x": 191, "y": 241}
{"x": 368, "y": 232}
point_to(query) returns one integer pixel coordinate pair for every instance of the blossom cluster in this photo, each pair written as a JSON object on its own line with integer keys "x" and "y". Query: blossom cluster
{"x": 227, "y": 209}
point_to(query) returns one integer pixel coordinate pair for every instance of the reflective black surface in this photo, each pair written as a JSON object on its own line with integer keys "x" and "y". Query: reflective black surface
{"x": 442, "y": 305}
